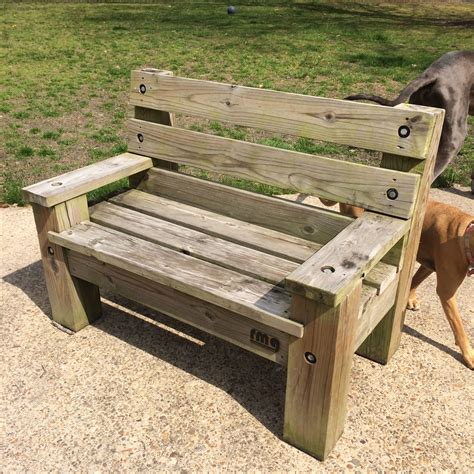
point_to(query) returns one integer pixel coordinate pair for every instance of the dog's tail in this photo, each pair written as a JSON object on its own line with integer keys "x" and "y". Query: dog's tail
{"x": 405, "y": 95}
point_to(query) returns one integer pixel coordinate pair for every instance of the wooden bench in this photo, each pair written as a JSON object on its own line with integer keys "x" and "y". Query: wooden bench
{"x": 300, "y": 285}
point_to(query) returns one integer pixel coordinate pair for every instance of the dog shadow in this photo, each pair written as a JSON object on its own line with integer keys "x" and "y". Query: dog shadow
{"x": 460, "y": 192}
{"x": 255, "y": 383}
{"x": 414, "y": 333}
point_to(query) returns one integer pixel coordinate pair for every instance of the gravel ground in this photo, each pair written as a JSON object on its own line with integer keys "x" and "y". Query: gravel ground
{"x": 132, "y": 392}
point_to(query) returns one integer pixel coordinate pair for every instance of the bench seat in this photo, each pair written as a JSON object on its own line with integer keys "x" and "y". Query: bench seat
{"x": 231, "y": 264}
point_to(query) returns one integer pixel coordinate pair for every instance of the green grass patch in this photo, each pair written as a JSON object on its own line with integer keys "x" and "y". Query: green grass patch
{"x": 24, "y": 152}
{"x": 81, "y": 73}
{"x": 12, "y": 190}
{"x": 52, "y": 135}
{"x": 106, "y": 191}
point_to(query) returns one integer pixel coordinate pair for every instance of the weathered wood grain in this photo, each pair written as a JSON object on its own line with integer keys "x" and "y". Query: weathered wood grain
{"x": 384, "y": 340}
{"x": 329, "y": 275}
{"x": 251, "y": 298}
{"x": 381, "y": 276}
{"x": 213, "y": 319}
{"x": 373, "y": 311}
{"x": 74, "y": 302}
{"x": 350, "y": 123}
{"x": 155, "y": 116}
{"x": 316, "y": 393}
{"x": 253, "y": 236}
{"x": 233, "y": 230}
{"x": 342, "y": 181}
{"x": 81, "y": 181}
{"x": 309, "y": 223}
{"x": 191, "y": 242}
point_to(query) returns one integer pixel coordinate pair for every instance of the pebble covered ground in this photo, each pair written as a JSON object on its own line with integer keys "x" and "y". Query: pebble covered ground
{"x": 137, "y": 391}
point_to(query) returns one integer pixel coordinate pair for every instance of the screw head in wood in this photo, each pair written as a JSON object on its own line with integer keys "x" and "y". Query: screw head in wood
{"x": 142, "y": 88}
{"x": 392, "y": 193}
{"x": 328, "y": 269}
{"x": 404, "y": 131}
{"x": 310, "y": 357}
{"x": 51, "y": 250}
{"x": 140, "y": 138}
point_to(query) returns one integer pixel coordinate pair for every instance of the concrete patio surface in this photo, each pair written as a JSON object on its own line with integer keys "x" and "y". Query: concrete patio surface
{"x": 137, "y": 391}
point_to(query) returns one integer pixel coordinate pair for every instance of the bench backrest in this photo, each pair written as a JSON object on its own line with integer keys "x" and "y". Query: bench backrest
{"x": 405, "y": 135}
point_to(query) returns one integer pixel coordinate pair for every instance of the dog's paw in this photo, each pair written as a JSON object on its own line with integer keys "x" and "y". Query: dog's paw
{"x": 469, "y": 359}
{"x": 413, "y": 304}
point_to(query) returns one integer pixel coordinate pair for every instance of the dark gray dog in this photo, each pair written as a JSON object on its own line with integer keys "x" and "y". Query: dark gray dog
{"x": 447, "y": 84}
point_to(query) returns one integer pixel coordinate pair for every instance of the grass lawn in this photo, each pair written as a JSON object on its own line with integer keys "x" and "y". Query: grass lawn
{"x": 66, "y": 67}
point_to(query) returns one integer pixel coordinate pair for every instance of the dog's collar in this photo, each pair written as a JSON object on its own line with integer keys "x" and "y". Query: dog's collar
{"x": 467, "y": 247}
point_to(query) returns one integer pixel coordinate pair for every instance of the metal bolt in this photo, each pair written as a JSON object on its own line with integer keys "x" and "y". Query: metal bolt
{"x": 392, "y": 193}
{"x": 403, "y": 131}
{"x": 51, "y": 250}
{"x": 140, "y": 138}
{"x": 310, "y": 357}
{"x": 142, "y": 88}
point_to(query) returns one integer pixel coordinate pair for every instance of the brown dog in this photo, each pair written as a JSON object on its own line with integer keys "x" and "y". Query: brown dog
{"x": 447, "y": 248}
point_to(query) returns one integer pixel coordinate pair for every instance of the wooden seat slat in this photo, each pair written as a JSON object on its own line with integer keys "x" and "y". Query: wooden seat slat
{"x": 254, "y": 299}
{"x": 234, "y": 230}
{"x": 191, "y": 242}
{"x": 198, "y": 313}
{"x": 271, "y": 242}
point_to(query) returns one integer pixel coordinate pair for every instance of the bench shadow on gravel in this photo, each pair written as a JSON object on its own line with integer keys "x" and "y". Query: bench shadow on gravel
{"x": 255, "y": 383}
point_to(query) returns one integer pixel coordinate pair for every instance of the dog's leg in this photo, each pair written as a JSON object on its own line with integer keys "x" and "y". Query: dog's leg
{"x": 421, "y": 274}
{"x": 349, "y": 210}
{"x": 446, "y": 289}
{"x": 452, "y": 140}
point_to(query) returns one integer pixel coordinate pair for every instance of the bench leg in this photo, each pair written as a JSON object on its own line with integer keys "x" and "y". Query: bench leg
{"x": 74, "y": 303}
{"x": 319, "y": 366}
{"x": 383, "y": 341}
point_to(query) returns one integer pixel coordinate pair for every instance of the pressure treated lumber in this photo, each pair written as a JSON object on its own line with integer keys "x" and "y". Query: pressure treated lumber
{"x": 316, "y": 393}
{"x": 384, "y": 340}
{"x": 273, "y": 243}
{"x": 329, "y": 275}
{"x": 155, "y": 116}
{"x": 352, "y": 183}
{"x": 350, "y": 123}
{"x": 74, "y": 303}
{"x": 213, "y": 319}
{"x": 256, "y": 237}
{"x": 374, "y": 309}
{"x": 81, "y": 181}
{"x": 381, "y": 276}
{"x": 226, "y": 254}
{"x": 251, "y": 298}
{"x": 307, "y": 222}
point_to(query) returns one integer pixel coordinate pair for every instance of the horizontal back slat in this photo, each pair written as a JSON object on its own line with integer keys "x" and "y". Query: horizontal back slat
{"x": 352, "y": 183}
{"x": 350, "y": 123}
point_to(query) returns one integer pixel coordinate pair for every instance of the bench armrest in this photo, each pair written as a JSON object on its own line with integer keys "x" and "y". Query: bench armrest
{"x": 83, "y": 180}
{"x": 331, "y": 273}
